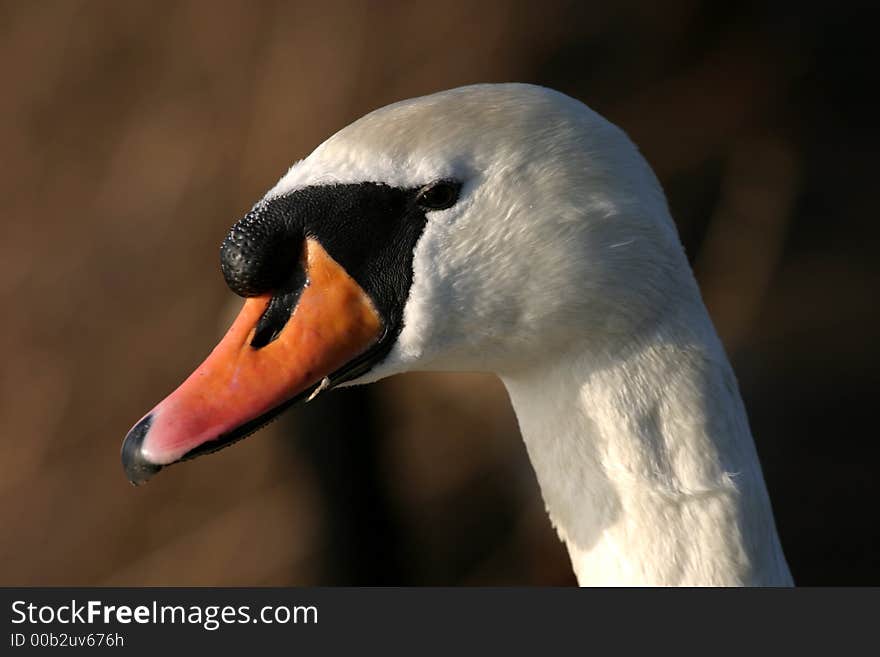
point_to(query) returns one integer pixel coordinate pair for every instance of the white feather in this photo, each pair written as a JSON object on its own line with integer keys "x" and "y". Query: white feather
{"x": 561, "y": 270}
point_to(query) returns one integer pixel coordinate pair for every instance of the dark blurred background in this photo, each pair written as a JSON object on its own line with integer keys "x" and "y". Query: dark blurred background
{"x": 134, "y": 134}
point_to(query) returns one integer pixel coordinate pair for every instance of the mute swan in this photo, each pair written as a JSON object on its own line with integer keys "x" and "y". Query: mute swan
{"x": 503, "y": 228}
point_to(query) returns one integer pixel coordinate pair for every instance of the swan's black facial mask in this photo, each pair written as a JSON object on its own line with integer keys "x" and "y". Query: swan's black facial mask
{"x": 326, "y": 271}
{"x": 370, "y": 229}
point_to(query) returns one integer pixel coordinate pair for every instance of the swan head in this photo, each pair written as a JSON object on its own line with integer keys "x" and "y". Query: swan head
{"x": 485, "y": 228}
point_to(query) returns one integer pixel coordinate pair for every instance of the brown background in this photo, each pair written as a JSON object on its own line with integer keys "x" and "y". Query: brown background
{"x": 134, "y": 134}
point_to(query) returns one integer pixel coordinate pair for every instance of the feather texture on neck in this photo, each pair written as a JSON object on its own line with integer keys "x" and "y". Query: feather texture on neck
{"x": 646, "y": 462}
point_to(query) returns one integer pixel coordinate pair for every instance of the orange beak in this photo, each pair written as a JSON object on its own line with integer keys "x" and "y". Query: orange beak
{"x": 239, "y": 387}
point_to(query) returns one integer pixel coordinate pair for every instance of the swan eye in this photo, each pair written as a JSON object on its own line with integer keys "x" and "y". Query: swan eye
{"x": 439, "y": 195}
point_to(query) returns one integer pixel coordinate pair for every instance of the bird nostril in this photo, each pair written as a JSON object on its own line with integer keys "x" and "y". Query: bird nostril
{"x": 259, "y": 254}
{"x": 280, "y": 309}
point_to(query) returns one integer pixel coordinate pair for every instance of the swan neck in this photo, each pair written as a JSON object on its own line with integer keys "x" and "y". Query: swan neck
{"x": 647, "y": 464}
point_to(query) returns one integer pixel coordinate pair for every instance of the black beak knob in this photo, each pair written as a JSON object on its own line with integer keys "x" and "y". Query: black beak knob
{"x": 260, "y": 251}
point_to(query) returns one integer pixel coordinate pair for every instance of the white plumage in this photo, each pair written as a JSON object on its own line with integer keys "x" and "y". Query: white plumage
{"x": 561, "y": 270}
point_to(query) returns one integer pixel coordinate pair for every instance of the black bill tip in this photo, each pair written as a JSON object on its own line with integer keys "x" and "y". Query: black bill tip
{"x": 137, "y": 468}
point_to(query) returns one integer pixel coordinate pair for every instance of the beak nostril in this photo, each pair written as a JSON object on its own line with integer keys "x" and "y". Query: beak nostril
{"x": 280, "y": 308}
